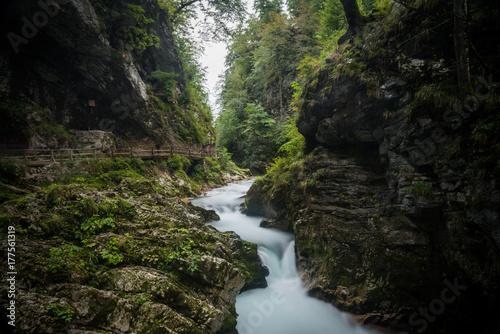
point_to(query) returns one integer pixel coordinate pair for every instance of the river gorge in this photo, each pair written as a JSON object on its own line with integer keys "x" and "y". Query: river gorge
{"x": 284, "y": 306}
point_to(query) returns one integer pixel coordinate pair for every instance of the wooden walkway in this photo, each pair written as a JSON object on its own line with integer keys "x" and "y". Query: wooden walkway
{"x": 39, "y": 157}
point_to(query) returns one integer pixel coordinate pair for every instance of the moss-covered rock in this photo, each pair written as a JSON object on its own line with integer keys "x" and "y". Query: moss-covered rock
{"x": 402, "y": 191}
{"x": 96, "y": 255}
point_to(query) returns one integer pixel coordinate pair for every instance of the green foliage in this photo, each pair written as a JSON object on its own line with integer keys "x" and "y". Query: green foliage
{"x": 112, "y": 252}
{"x": 380, "y": 8}
{"x": 65, "y": 259}
{"x": 57, "y": 131}
{"x": 117, "y": 208}
{"x": 184, "y": 247}
{"x": 421, "y": 188}
{"x": 11, "y": 171}
{"x": 94, "y": 225}
{"x": 178, "y": 162}
{"x": 219, "y": 12}
{"x": 332, "y": 19}
{"x": 58, "y": 195}
{"x": 483, "y": 132}
{"x": 86, "y": 208}
{"x": 63, "y": 313}
{"x": 181, "y": 250}
{"x": 187, "y": 108}
{"x": 263, "y": 59}
{"x": 136, "y": 34}
{"x": 294, "y": 144}
{"x": 167, "y": 81}
{"x": 266, "y": 8}
{"x": 287, "y": 170}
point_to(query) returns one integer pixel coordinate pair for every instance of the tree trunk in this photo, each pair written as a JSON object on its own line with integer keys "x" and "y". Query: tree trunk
{"x": 461, "y": 47}
{"x": 281, "y": 97}
{"x": 353, "y": 15}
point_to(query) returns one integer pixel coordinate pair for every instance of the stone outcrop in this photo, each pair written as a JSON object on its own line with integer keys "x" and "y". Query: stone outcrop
{"x": 121, "y": 259}
{"x": 61, "y": 54}
{"x": 401, "y": 205}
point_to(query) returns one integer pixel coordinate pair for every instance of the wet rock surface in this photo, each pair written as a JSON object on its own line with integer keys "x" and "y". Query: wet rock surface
{"x": 393, "y": 212}
{"x": 123, "y": 260}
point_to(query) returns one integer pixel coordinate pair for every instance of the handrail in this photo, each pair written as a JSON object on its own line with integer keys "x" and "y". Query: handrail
{"x": 47, "y": 156}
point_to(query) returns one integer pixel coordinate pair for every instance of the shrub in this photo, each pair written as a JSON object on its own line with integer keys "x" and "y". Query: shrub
{"x": 61, "y": 312}
{"x": 167, "y": 81}
{"x": 65, "y": 258}
{"x": 112, "y": 252}
{"x": 178, "y": 162}
{"x": 86, "y": 208}
{"x": 10, "y": 170}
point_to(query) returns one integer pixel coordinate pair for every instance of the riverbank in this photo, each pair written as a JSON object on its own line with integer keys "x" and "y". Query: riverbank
{"x": 282, "y": 305}
{"x": 115, "y": 247}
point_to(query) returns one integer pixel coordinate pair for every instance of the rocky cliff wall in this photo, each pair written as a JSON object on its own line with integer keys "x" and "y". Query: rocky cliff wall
{"x": 398, "y": 220}
{"x": 55, "y": 56}
{"x": 104, "y": 247}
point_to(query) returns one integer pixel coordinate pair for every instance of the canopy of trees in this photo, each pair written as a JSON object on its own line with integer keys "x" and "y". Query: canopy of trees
{"x": 264, "y": 59}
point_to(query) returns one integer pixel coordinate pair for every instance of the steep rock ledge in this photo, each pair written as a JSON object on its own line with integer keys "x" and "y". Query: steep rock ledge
{"x": 79, "y": 53}
{"x": 398, "y": 206}
{"x": 120, "y": 259}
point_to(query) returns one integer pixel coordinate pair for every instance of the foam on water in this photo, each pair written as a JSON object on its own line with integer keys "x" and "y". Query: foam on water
{"x": 284, "y": 306}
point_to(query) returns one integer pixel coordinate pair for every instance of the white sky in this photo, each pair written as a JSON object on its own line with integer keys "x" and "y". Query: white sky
{"x": 213, "y": 61}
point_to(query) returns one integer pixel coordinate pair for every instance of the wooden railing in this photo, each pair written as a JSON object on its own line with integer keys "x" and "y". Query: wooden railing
{"x": 42, "y": 157}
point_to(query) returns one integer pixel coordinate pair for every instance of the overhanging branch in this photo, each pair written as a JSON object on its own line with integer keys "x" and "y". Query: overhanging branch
{"x": 184, "y": 5}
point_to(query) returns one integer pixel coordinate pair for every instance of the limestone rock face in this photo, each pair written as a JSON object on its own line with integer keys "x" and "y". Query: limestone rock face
{"x": 393, "y": 212}
{"x": 138, "y": 262}
{"x": 61, "y": 54}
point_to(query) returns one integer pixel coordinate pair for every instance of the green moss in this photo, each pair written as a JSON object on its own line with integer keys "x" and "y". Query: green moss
{"x": 49, "y": 130}
{"x": 421, "y": 188}
{"x": 229, "y": 323}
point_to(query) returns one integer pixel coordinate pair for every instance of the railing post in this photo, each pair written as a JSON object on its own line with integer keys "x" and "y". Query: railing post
{"x": 52, "y": 156}
{"x": 71, "y": 154}
{"x": 112, "y": 153}
{"x": 171, "y": 151}
{"x": 131, "y": 152}
{"x": 152, "y": 151}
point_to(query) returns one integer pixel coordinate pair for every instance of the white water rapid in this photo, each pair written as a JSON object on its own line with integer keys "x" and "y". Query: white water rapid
{"x": 284, "y": 306}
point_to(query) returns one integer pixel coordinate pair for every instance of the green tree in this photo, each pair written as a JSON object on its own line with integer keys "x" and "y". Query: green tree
{"x": 265, "y": 8}
{"x": 295, "y": 7}
{"x": 229, "y": 130}
{"x": 353, "y": 16}
{"x": 218, "y": 12}
{"x": 136, "y": 32}
{"x": 274, "y": 59}
{"x": 259, "y": 131}
{"x": 332, "y": 19}
{"x": 262, "y": 64}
